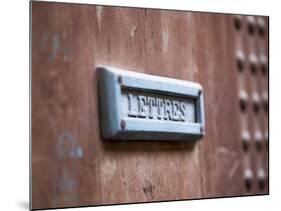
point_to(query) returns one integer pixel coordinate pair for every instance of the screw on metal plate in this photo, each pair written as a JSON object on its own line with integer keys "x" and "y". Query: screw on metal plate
{"x": 245, "y": 139}
{"x": 248, "y": 176}
{"x": 253, "y": 62}
{"x": 243, "y": 96}
{"x": 238, "y": 22}
{"x": 119, "y": 78}
{"x": 261, "y": 178}
{"x": 240, "y": 60}
{"x": 251, "y": 24}
{"x": 256, "y": 101}
{"x": 123, "y": 124}
{"x": 258, "y": 139}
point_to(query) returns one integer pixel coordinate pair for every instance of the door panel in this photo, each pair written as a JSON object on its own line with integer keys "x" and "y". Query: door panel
{"x": 73, "y": 166}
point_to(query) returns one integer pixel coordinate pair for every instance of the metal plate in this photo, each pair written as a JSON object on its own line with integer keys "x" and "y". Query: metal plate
{"x": 135, "y": 106}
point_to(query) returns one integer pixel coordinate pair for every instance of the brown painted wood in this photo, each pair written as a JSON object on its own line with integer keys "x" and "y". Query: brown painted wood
{"x": 71, "y": 164}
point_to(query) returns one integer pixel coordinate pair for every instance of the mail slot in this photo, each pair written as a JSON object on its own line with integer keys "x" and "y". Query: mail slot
{"x": 136, "y": 106}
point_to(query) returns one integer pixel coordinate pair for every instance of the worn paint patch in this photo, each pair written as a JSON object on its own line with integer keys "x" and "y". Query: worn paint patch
{"x": 229, "y": 157}
{"x": 149, "y": 189}
{"x": 133, "y": 31}
{"x": 234, "y": 169}
{"x": 55, "y": 47}
{"x": 99, "y": 15}
{"x": 225, "y": 152}
{"x": 53, "y": 42}
{"x": 43, "y": 41}
{"x": 68, "y": 153}
{"x": 165, "y": 38}
{"x": 108, "y": 169}
{"x": 67, "y": 182}
{"x": 68, "y": 147}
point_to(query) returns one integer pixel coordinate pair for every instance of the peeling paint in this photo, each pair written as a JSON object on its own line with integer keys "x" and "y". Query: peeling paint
{"x": 234, "y": 169}
{"x": 165, "y": 38}
{"x": 108, "y": 169}
{"x": 99, "y": 15}
{"x": 68, "y": 154}
{"x": 133, "y": 31}
{"x": 149, "y": 189}
{"x": 223, "y": 150}
{"x": 67, "y": 183}
{"x": 44, "y": 39}
{"x": 68, "y": 147}
{"x": 66, "y": 53}
{"x": 55, "y": 47}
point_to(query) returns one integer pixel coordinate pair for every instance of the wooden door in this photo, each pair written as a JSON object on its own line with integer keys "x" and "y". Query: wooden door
{"x": 73, "y": 166}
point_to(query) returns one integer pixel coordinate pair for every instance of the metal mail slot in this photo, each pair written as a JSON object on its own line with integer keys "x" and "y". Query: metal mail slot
{"x": 136, "y": 106}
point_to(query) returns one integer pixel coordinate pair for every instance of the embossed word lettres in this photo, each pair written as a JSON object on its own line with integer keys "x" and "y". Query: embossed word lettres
{"x": 143, "y": 106}
{"x": 136, "y": 106}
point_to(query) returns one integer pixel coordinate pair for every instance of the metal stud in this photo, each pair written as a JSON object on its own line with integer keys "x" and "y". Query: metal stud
{"x": 245, "y": 139}
{"x": 240, "y": 60}
{"x": 248, "y": 176}
{"x": 261, "y": 25}
{"x": 253, "y": 62}
{"x": 266, "y": 137}
{"x": 264, "y": 64}
{"x": 258, "y": 139}
{"x": 238, "y": 22}
{"x": 243, "y": 96}
{"x": 256, "y": 101}
{"x": 265, "y": 100}
{"x": 261, "y": 178}
{"x": 251, "y": 24}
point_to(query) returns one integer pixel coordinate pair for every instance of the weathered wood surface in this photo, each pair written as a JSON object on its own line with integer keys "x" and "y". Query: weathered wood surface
{"x": 71, "y": 164}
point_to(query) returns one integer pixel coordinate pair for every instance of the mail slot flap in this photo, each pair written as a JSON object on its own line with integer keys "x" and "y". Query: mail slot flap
{"x": 136, "y": 106}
